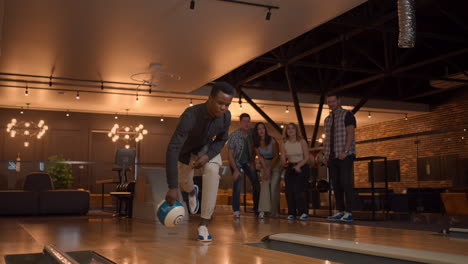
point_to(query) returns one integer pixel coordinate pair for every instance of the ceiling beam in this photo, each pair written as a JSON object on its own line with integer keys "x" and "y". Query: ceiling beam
{"x": 428, "y": 35}
{"x": 258, "y": 109}
{"x": 322, "y": 66}
{"x": 428, "y": 77}
{"x": 369, "y": 57}
{"x": 458, "y": 68}
{"x": 399, "y": 70}
{"x": 297, "y": 107}
{"x": 360, "y": 104}
{"x": 339, "y": 39}
{"x": 317, "y": 119}
{"x": 321, "y": 47}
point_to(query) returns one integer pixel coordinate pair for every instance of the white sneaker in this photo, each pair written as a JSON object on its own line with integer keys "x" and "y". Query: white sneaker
{"x": 261, "y": 215}
{"x": 236, "y": 214}
{"x": 193, "y": 201}
{"x": 203, "y": 234}
{"x": 336, "y": 216}
{"x": 304, "y": 217}
{"x": 347, "y": 217}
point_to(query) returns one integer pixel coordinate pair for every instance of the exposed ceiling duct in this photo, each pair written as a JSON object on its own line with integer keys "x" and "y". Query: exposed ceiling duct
{"x": 406, "y": 23}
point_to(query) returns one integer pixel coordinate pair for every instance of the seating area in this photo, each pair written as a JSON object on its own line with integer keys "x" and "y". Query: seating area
{"x": 38, "y": 197}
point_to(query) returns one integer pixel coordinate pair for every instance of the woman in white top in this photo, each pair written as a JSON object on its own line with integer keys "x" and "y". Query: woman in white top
{"x": 294, "y": 157}
{"x": 267, "y": 150}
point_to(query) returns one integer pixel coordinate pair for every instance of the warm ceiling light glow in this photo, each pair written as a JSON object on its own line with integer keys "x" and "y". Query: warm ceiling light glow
{"x": 287, "y": 110}
{"x": 77, "y": 95}
{"x": 191, "y": 103}
{"x": 26, "y": 129}
{"x": 369, "y": 116}
{"x": 128, "y": 133}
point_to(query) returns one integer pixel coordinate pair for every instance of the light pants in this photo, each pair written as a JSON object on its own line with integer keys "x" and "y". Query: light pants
{"x": 210, "y": 182}
{"x": 270, "y": 191}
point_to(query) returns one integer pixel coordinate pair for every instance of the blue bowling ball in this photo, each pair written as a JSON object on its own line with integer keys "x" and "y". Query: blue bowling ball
{"x": 170, "y": 216}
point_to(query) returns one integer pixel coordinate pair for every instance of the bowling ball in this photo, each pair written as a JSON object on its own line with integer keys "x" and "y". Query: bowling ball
{"x": 323, "y": 186}
{"x": 170, "y": 216}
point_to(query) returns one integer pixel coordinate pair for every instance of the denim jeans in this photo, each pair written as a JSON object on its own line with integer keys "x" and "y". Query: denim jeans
{"x": 237, "y": 185}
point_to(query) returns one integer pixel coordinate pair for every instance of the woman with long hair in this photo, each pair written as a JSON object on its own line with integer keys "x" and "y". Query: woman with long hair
{"x": 294, "y": 157}
{"x": 267, "y": 150}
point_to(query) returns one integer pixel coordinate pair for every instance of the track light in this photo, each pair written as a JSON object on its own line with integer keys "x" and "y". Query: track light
{"x": 282, "y": 126}
{"x": 406, "y": 116}
{"x": 116, "y": 116}
{"x": 287, "y": 110}
{"x": 102, "y": 85}
{"x": 240, "y": 103}
{"x": 77, "y": 95}
{"x": 21, "y": 111}
{"x": 192, "y": 4}
{"x": 26, "y": 92}
{"x": 67, "y": 114}
{"x": 162, "y": 119}
{"x": 191, "y": 103}
{"x": 369, "y": 115}
{"x": 244, "y": 2}
{"x": 268, "y": 15}
{"x": 137, "y": 99}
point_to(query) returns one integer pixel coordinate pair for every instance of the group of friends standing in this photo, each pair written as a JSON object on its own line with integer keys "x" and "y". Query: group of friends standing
{"x": 245, "y": 145}
{"x": 203, "y": 131}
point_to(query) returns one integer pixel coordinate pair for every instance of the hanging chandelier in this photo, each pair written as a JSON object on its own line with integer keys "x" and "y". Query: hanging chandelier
{"x": 128, "y": 134}
{"x": 27, "y": 129}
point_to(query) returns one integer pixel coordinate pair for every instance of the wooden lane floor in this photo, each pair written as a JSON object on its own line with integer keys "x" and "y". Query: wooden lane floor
{"x": 134, "y": 241}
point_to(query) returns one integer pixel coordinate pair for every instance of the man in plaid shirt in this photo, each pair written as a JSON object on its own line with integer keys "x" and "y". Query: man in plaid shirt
{"x": 340, "y": 151}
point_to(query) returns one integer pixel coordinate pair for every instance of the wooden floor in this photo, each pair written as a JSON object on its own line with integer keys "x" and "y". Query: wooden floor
{"x": 133, "y": 241}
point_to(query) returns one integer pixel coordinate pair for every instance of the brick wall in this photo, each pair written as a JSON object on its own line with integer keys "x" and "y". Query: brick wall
{"x": 439, "y": 132}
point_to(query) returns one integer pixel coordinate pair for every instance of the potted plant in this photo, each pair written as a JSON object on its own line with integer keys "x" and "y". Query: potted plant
{"x": 61, "y": 173}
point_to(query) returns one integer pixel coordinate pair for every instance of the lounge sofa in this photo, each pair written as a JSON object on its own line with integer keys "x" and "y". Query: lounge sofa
{"x": 38, "y": 197}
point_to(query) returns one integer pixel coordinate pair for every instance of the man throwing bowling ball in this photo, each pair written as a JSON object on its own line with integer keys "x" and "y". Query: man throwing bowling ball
{"x": 196, "y": 143}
